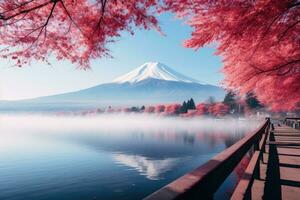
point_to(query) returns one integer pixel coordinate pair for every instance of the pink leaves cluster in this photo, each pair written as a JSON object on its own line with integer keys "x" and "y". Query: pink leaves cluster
{"x": 217, "y": 110}
{"x": 149, "y": 109}
{"x": 160, "y": 108}
{"x": 169, "y": 109}
{"x": 173, "y": 109}
{"x": 74, "y": 30}
{"x": 259, "y": 41}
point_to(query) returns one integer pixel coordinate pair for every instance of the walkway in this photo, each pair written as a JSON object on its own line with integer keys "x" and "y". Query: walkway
{"x": 279, "y": 176}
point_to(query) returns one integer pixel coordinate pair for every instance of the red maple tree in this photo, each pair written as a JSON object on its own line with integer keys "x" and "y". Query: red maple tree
{"x": 160, "y": 108}
{"x": 218, "y": 109}
{"x": 67, "y": 29}
{"x": 149, "y": 109}
{"x": 172, "y": 109}
{"x": 259, "y": 41}
{"x": 202, "y": 109}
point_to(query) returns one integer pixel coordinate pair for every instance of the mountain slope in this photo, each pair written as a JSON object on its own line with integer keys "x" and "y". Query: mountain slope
{"x": 150, "y": 83}
{"x": 146, "y": 91}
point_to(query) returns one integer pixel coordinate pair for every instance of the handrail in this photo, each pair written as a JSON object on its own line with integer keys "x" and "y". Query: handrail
{"x": 204, "y": 181}
{"x": 243, "y": 189}
{"x": 293, "y": 122}
{"x": 292, "y": 118}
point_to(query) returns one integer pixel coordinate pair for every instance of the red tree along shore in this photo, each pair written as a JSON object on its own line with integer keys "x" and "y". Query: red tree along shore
{"x": 160, "y": 108}
{"x": 150, "y": 109}
{"x": 202, "y": 109}
{"x": 74, "y": 30}
{"x": 173, "y": 109}
{"x": 258, "y": 40}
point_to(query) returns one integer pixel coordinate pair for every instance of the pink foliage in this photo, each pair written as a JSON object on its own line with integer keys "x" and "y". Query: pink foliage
{"x": 160, "y": 108}
{"x": 211, "y": 109}
{"x": 173, "y": 109}
{"x": 74, "y": 30}
{"x": 126, "y": 110}
{"x": 218, "y": 109}
{"x": 259, "y": 41}
{"x": 201, "y": 109}
{"x": 221, "y": 109}
{"x": 150, "y": 109}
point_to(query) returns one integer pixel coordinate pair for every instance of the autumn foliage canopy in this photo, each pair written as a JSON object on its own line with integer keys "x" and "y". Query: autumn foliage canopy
{"x": 258, "y": 40}
{"x": 76, "y": 30}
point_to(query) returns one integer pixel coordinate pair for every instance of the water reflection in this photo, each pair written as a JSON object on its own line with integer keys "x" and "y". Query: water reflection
{"x": 152, "y": 169}
{"x": 152, "y": 154}
{"x": 49, "y": 157}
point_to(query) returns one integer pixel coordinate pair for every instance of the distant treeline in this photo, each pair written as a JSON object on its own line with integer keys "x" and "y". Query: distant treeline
{"x": 231, "y": 105}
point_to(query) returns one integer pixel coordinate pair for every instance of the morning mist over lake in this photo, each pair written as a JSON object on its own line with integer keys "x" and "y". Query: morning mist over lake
{"x": 110, "y": 156}
{"x": 149, "y": 100}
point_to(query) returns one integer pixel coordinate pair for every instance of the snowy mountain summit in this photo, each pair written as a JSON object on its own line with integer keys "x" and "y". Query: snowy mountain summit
{"x": 154, "y": 70}
{"x": 151, "y": 83}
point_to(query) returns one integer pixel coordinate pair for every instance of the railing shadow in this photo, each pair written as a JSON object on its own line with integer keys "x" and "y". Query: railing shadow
{"x": 272, "y": 188}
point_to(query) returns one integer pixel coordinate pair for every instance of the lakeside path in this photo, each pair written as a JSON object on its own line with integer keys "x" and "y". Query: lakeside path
{"x": 280, "y": 167}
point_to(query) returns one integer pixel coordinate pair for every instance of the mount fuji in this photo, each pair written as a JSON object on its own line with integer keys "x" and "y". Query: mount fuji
{"x": 151, "y": 83}
{"x": 153, "y": 70}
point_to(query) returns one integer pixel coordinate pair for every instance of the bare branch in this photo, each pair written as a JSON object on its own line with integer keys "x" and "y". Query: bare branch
{"x": 283, "y": 34}
{"x": 70, "y": 17}
{"x": 103, "y": 6}
{"x": 2, "y": 17}
{"x": 43, "y": 27}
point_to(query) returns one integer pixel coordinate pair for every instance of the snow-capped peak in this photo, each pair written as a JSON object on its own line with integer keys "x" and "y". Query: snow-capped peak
{"x": 153, "y": 70}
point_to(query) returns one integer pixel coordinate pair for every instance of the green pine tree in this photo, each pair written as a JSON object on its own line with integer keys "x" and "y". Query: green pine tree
{"x": 134, "y": 109}
{"x": 188, "y": 104}
{"x": 183, "y": 108}
{"x": 230, "y": 101}
{"x": 192, "y": 105}
{"x": 252, "y": 102}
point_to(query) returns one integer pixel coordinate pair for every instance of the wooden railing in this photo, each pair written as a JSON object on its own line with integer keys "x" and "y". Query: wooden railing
{"x": 204, "y": 181}
{"x": 243, "y": 189}
{"x": 293, "y": 122}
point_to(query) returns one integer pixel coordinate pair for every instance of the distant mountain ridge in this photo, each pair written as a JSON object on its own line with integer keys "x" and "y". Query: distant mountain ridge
{"x": 150, "y": 83}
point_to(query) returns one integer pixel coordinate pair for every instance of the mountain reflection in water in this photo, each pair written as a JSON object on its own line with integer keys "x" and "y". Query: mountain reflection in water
{"x": 106, "y": 157}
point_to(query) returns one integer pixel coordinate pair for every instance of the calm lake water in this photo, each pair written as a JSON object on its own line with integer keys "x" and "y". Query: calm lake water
{"x": 106, "y": 157}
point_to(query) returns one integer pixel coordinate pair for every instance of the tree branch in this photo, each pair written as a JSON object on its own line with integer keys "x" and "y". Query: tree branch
{"x": 103, "y": 6}
{"x": 2, "y": 17}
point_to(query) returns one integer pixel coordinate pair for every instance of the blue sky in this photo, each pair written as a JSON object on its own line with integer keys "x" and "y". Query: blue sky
{"x": 129, "y": 52}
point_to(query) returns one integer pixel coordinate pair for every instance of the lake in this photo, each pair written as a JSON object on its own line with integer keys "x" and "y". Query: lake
{"x": 107, "y": 157}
